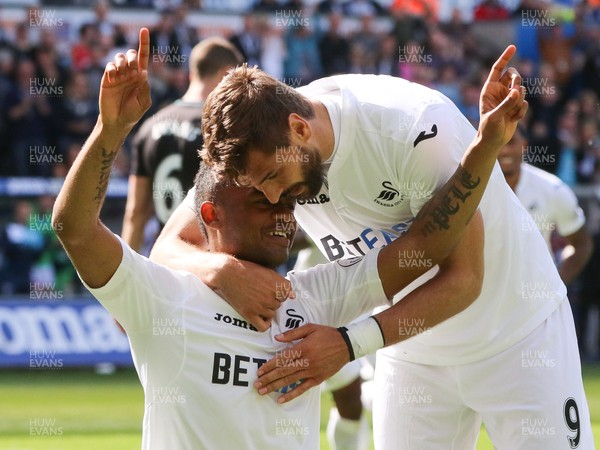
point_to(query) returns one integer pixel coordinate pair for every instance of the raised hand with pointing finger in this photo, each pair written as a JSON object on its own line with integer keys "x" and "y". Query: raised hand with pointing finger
{"x": 124, "y": 90}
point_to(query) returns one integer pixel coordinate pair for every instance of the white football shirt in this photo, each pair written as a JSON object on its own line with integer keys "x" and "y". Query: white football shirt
{"x": 197, "y": 358}
{"x": 550, "y": 202}
{"x": 399, "y": 142}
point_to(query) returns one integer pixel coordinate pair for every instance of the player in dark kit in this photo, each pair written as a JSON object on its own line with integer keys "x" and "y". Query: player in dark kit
{"x": 165, "y": 149}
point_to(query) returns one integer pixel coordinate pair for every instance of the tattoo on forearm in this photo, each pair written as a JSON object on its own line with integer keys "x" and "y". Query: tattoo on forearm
{"x": 439, "y": 214}
{"x": 107, "y": 159}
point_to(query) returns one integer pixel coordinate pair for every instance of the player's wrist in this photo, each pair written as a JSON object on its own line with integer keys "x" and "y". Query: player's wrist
{"x": 222, "y": 270}
{"x": 111, "y": 137}
{"x": 344, "y": 333}
{"x": 363, "y": 338}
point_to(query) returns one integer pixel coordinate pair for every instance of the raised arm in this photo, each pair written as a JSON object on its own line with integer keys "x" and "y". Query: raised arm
{"x": 124, "y": 97}
{"x": 437, "y": 229}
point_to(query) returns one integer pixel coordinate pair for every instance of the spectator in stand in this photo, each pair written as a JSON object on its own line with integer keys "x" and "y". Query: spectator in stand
{"x": 541, "y": 136}
{"x": 490, "y": 10}
{"x": 556, "y": 48}
{"x": 267, "y": 6}
{"x": 273, "y": 50}
{"x": 48, "y": 65}
{"x": 249, "y": 40}
{"x": 591, "y": 67}
{"x": 6, "y": 85}
{"x": 589, "y": 104}
{"x": 4, "y": 38}
{"x": 469, "y": 104}
{"x": 366, "y": 37}
{"x": 60, "y": 272}
{"x": 447, "y": 51}
{"x": 28, "y": 114}
{"x": 334, "y": 47}
{"x": 47, "y": 68}
{"x": 448, "y": 83}
{"x": 96, "y": 67}
{"x": 105, "y": 26}
{"x": 164, "y": 42}
{"x": 81, "y": 52}
{"x": 364, "y": 46}
{"x": 568, "y": 135}
{"x": 408, "y": 27}
{"x": 330, "y": 6}
{"x": 79, "y": 111}
{"x": 111, "y": 33}
{"x": 359, "y": 8}
{"x": 61, "y": 49}
{"x": 425, "y": 9}
{"x": 23, "y": 43}
{"x": 22, "y": 245}
{"x": 544, "y": 95}
{"x": 187, "y": 35}
{"x": 361, "y": 61}
{"x": 302, "y": 61}
{"x": 588, "y": 157}
{"x": 415, "y": 65}
{"x": 387, "y": 57}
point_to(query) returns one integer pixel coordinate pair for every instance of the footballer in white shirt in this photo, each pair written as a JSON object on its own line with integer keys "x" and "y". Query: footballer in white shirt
{"x": 195, "y": 356}
{"x": 383, "y": 146}
{"x": 550, "y": 202}
{"x": 364, "y": 153}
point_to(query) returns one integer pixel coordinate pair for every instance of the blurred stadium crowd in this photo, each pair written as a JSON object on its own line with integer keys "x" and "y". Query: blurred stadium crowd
{"x": 49, "y": 82}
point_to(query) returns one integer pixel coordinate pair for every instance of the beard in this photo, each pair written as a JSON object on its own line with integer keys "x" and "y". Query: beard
{"x": 312, "y": 172}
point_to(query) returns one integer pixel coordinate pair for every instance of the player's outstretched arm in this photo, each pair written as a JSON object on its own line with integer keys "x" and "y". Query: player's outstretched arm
{"x": 255, "y": 292}
{"x": 442, "y": 221}
{"x": 124, "y": 97}
{"x": 435, "y": 233}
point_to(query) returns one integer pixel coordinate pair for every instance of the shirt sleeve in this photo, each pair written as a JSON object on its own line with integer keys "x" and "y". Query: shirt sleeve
{"x": 337, "y": 293}
{"x": 567, "y": 212}
{"x": 141, "y": 292}
{"x": 436, "y": 143}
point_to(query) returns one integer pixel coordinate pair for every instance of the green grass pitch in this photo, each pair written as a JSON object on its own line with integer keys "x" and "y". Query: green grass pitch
{"x": 99, "y": 412}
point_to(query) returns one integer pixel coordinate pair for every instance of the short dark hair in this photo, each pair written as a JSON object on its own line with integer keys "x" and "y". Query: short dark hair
{"x": 208, "y": 187}
{"x": 213, "y": 54}
{"x": 248, "y": 110}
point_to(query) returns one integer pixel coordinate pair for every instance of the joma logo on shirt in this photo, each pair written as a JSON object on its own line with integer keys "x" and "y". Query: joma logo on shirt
{"x": 319, "y": 199}
{"x": 235, "y": 321}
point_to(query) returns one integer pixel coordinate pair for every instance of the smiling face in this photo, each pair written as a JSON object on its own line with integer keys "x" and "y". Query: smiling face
{"x": 248, "y": 226}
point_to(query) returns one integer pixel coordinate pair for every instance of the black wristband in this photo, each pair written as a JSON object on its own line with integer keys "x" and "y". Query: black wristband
{"x": 344, "y": 332}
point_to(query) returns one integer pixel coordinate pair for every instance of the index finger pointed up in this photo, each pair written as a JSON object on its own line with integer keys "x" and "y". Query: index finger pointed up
{"x": 144, "y": 49}
{"x": 501, "y": 63}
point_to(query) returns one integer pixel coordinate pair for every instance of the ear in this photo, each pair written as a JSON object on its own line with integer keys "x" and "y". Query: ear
{"x": 299, "y": 127}
{"x": 209, "y": 214}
